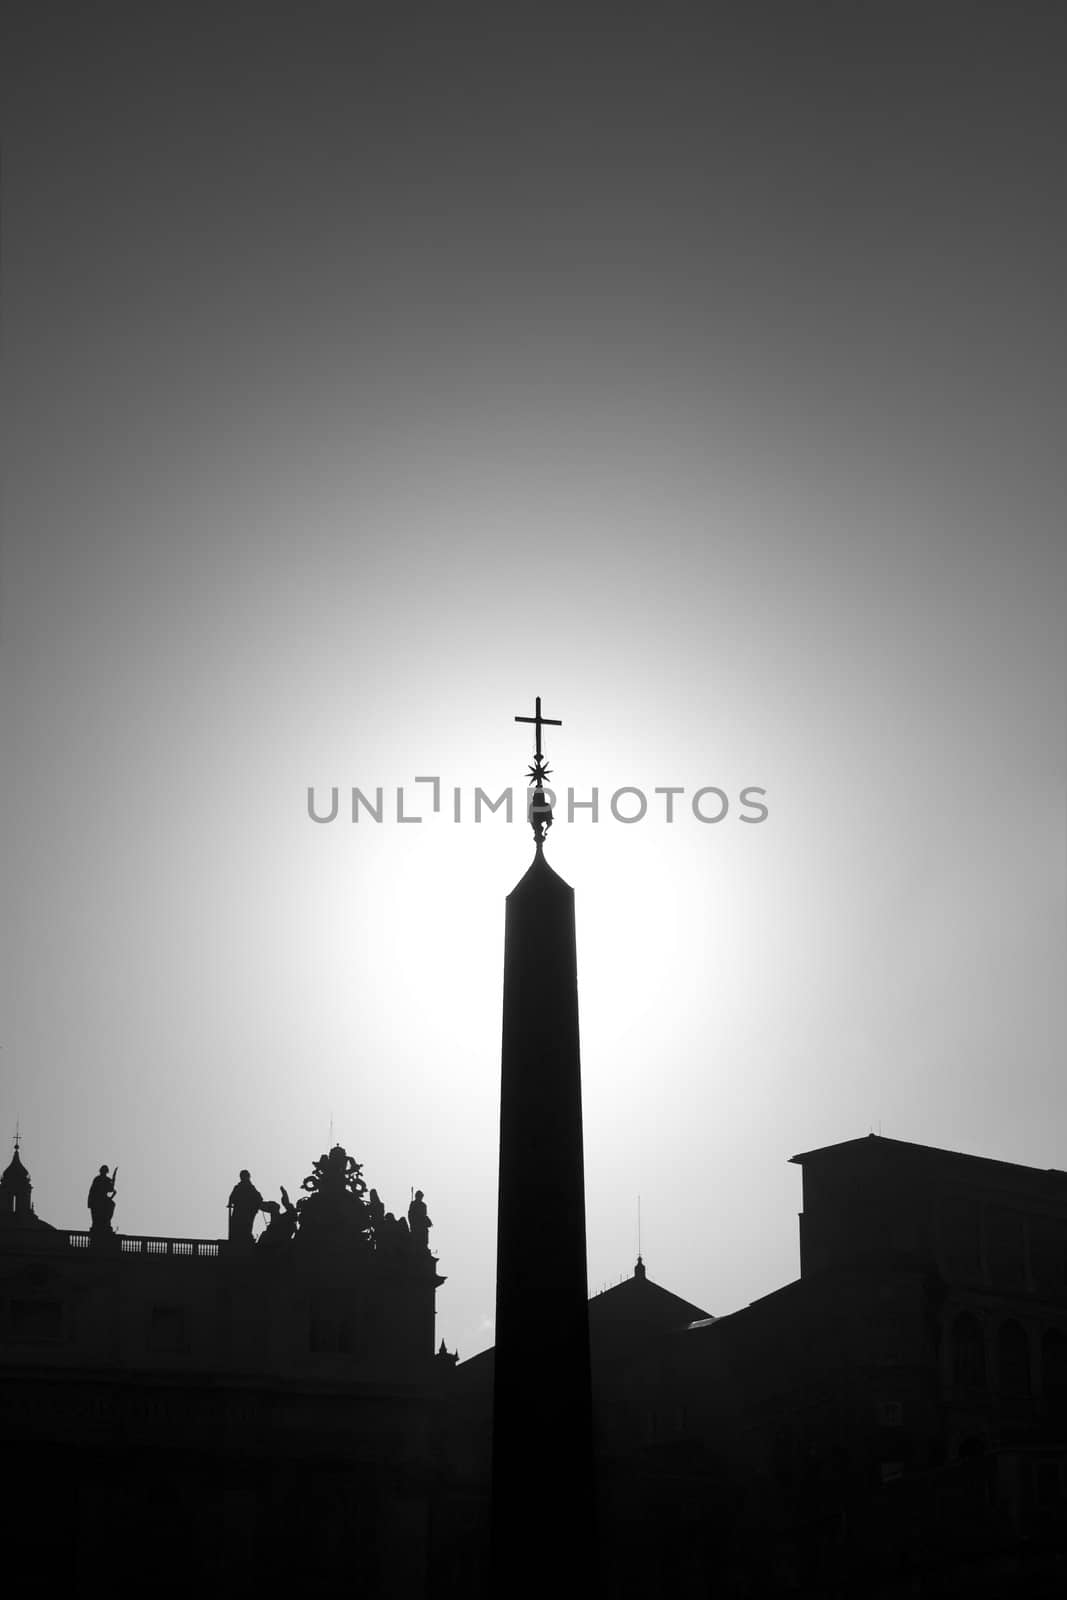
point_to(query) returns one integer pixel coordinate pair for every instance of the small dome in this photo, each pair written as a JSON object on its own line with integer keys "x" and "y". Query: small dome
{"x": 15, "y": 1189}
{"x": 14, "y": 1174}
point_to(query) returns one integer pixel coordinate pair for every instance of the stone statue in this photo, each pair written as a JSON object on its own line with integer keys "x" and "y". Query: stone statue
{"x": 419, "y": 1221}
{"x": 394, "y": 1238}
{"x": 334, "y": 1210}
{"x": 283, "y": 1221}
{"x": 244, "y": 1205}
{"x": 336, "y": 1176}
{"x": 377, "y": 1211}
{"x": 101, "y": 1201}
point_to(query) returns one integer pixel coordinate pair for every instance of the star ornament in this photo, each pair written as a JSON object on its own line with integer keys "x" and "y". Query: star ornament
{"x": 538, "y": 772}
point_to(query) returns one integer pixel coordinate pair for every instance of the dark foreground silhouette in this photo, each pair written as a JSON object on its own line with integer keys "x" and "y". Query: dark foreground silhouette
{"x": 892, "y": 1423}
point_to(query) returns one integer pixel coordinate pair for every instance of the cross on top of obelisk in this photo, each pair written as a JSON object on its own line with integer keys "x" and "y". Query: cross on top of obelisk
{"x": 540, "y": 722}
{"x": 538, "y": 772}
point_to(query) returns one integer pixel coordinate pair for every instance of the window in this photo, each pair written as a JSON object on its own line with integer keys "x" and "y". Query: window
{"x": 1013, "y": 1360}
{"x": 968, "y": 1352}
{"x": 1048, "y": 1483}
{"x": 323, "y": 1335}
{"x": 1005, "y": 1248}
{"x": 960, "y": 1233}
{"x": 1054, "y": 1370}
{"x": 1047, "y": 1253}
{"x": 331, "y": 1334}
{"x": 36, "y": 1321}
{"x": 166, "y": 1330}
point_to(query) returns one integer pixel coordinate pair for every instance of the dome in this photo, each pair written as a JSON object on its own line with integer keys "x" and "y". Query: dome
{"x": 15, "y": 1190}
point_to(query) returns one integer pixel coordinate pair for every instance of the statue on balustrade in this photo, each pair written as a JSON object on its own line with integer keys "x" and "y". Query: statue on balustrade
{"x": 419, "y": 1222}
{"x": 244, "y": 1205}
{"x": 334, "y": 1209}
{"x": 393, "y": 1236}
{"x": 283, "y": 1222}
{"x": 101, "y": 1203}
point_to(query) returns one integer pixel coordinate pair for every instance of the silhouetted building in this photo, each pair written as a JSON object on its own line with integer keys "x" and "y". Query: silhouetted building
{"x": 253, "y": 1411}
{"x": 894, "y": 1422}
{"x": 627, "y": 1323}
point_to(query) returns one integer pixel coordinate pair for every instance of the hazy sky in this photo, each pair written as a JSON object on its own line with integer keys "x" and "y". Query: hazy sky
{"x": 369, "y": 370}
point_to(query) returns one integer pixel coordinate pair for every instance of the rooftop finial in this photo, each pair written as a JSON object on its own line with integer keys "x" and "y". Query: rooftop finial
{"x": 538, "y": 772}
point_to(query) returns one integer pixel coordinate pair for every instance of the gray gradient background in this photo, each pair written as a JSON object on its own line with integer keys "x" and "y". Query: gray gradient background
{"x": 369, "y": 370}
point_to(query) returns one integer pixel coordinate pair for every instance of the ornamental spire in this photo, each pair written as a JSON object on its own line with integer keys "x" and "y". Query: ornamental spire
{"x": 538, "y": 771}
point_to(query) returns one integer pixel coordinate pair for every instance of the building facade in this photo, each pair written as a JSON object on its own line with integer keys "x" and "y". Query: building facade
{"x": 255, "y": 1410}
{"x": 892, "y": 1423}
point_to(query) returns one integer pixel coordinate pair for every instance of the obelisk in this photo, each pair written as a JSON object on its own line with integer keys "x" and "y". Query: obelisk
{"x": 543, "y": 1483}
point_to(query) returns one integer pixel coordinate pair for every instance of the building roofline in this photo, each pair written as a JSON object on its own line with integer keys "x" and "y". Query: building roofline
{"x": 904, "y": 1147}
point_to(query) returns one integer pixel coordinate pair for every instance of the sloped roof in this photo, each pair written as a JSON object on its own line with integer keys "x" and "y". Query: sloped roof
{"x": 621, "y": 1319}
{"x": 638, "y": 1300}
{"x": 960, "y": 1163}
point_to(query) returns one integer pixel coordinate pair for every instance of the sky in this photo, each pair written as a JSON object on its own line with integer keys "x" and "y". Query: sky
{"x": 369, "y": 371}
